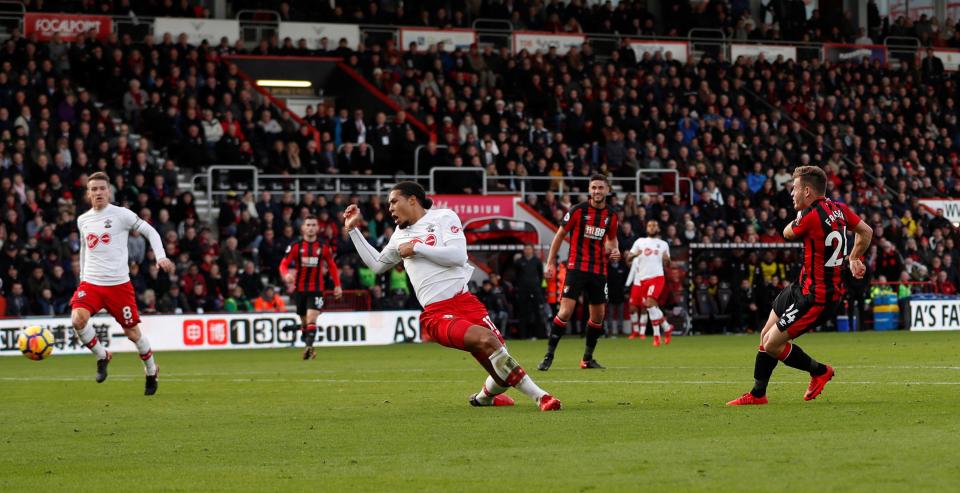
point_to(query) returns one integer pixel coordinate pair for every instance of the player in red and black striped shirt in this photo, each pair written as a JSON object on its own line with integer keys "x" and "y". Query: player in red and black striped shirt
{"x": 822, "y": 225}
{"x": 592, "y": 227}
{"x": 305, "y": 256}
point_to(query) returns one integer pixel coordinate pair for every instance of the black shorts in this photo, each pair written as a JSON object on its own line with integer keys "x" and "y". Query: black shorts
{"x": 593, "y": 286}
{"x": 312, "y": 300}
{"x": 799, "y": 314}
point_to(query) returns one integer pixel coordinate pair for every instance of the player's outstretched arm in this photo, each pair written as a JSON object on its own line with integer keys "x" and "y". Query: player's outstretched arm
{"x": 378, "y": 262}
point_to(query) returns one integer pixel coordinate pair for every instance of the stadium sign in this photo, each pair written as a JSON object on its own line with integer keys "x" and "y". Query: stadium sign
{"x": 313, "y": 32}
{"x": 678, "y": 49}
{"x": 424, "y": 37}
{"x": 198, "y": 30}
{"x": 843, "y": 53}
{"x": 227, "y": 331}
{"x": 69, "y": 27}
{"x": 769, "y": 52}
{"x": 535, "y": 42}
{"x": 950, "y": 59}
{"x": 470, "y": 207}
{"x": 948, "y": 208}
{"x": 931, "y": 315}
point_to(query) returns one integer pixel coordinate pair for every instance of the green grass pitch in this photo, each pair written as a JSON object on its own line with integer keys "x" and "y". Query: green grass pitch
{"x": 396, "y": 418}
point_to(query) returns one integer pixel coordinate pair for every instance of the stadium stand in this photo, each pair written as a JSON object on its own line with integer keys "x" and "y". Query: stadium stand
{"x": 155, "y": 112}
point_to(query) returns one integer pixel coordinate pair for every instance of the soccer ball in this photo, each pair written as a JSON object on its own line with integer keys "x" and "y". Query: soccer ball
{"x": 35, "y": 342}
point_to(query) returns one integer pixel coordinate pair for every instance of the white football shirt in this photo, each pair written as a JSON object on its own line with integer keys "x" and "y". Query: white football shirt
{"x": 431, "y": 282}
{"x": 649, "y": 262}
{"x": 103, "y": 253}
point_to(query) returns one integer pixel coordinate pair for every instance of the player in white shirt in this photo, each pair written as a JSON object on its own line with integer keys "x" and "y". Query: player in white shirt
{"x": 651, "y": 258}
{"x": 105, "y": 276}
{"x": 433, "y": 249}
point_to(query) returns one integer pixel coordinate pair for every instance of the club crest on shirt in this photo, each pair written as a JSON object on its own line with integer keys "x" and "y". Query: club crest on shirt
{"x": 106, "y": 224}
{"x": 430, "y": 228}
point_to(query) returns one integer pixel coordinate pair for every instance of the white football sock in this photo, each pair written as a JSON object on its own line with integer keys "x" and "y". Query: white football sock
{"x": 656, "y": 318}
{"x": 507, "y": 369}
{"x": 490, "y": 390}
{"x": 146, "y": 354}
{"x": 527, "y": 386}
{"x": 89, "y": 338}
{"x": 643, "y": 323}
{"x": 634, "y": 322}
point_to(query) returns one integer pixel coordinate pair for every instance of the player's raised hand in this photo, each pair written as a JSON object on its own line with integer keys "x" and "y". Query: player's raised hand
{"x": 551, "y": 271}
{"x": 352, "y": 217}
{"x": 167, "y": 265}
{"x": 406, "y": 250}
{"x": 857, "y": 268}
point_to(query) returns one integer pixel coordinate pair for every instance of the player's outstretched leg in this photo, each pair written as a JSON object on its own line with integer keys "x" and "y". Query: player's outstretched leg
{"x": 762, "y": 370}
{"x": 146, "y": 355}
{"x": 557, "y": 330}
{"x": 504, "y": 371}
{"x": 594, "y": 331}
{"x": 794, "y": 357}
{"x": 491, "y": 394}
{"x": 88, "y": 337}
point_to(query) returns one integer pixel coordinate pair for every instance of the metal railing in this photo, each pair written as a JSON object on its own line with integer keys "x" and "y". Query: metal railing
{"x": 226, "y": 167}
{"x": 373, "y": 153}
{"x": 456, "y": 169}
{"x": 416, "y": 157}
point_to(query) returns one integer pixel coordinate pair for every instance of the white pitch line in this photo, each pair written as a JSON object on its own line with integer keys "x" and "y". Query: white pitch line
{"x": 434, "y": 381}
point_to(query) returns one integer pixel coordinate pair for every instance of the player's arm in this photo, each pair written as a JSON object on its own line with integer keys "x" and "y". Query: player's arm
{"x": 285, "y": 264}
{"x": 633, "y": 272}
{"x": 334, "y": 272}
{"x": 612, "y": 242}
{"x": 156, "y": 243}
{"x": 452, "y": 252}
{"x": 666, "y": 261}
{"x": 864, "y": 235}
{"x": 378, "y": 262}
{"x": 554, "y": 251}
{"x": 799, "y": 226}
{"x": 83, "y": 252}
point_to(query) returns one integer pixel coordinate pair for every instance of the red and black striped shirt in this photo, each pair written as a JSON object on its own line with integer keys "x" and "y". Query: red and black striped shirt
{"x": 589, "y": 229}
{"x": 305, "y": 257}
{"x": 823, "y": 228}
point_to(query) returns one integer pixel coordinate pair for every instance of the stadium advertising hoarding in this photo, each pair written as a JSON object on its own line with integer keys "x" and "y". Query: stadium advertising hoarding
{"x": 679, "y": 49}
{"x": 950, "y": 59}
{"x": 226, "y": 331}
{"x": 934, "y": 315}
{"x": 423, "y": 37}
{"x": 66, "y": 25}
{"x": 769, "y": 52}
{"x": 542, "y": 42}
{"x": 470, "y": 207}
{"x": 313, "y": 32}
{"x": 949, "y": 208}
{"x": 198, "y": 30}
{"x": 843, "y": 53}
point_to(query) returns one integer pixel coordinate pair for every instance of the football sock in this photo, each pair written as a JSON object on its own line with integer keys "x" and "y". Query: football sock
{"x": 511, "y": 373}
{"x": 762, "y": 370}
{"x": 309, "y": 334}
{"x": 794, "y": 357}
{"x": 643, "y": 322}
{"x": 146, "y": 354}
{"x": 634, "y": 322}
{"x": 594, "y": 331}
{"x": 88, "y": 337}
{"x": 556, "y": 332}
{"x": 490, "y": 390}
{"x": 656, "y": 317}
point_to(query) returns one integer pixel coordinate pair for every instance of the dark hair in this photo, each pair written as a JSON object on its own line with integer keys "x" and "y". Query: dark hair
{"x": 599, "y": 177}
{"x": 309, "y": 217}
{"x": 413, "y": 189}
{"x": 813, "y": 176}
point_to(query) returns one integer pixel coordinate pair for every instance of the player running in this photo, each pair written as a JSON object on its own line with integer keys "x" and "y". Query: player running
{"x": 651, "y": 258}
{"x": 433, "y": 249}
{"x": 822, "y": 225}
{"x": 105, "y": 276}
{"x": 305, "y": 256}
{"x": 593, "y": 229}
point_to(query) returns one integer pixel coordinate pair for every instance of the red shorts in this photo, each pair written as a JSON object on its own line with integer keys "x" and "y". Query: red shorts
{"x": 648, "y": 288}
{"x": 446, "y": 322}
{"x": 119, "y": 300}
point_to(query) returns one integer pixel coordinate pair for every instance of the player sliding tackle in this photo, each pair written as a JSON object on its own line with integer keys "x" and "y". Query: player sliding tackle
{"x": 105, "y": 276}
{"x": 433, "y": 249}
{"x": 822, "y": 225}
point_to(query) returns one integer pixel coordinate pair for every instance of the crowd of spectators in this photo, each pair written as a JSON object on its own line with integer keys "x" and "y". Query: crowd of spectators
{"x": 886, "y": 137}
